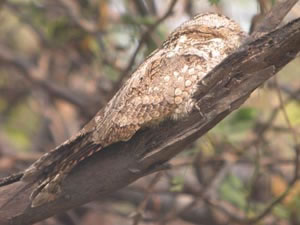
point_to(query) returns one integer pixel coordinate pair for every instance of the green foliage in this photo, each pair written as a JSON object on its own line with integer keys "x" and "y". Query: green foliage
{"x": 93, "y": 45}
{"x": 61, "y": 31}
{"x": 294, "y": 205}
{"x": 214, "y": 2}
{"x": 293, "y": 111}
{"x": 57, "y": 29}
{"x": 20, "y": 130}
{"x": 238, "y": 123}
{"x": 111, "y": 73}
{"x": 244, "y": 115}
{"x": 177, "y": 184}
{"x": 234, "y": 191}
{"x": 281, "y": 211}
{"x": 137, "y": 20}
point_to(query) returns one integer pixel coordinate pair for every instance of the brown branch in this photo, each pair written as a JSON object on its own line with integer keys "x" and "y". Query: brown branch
{"x": 260, "y": 129}
{"x": 161, "y": 203}
{"x": 286, "y": 117}
{"x": 25, "y": 68}
{"x": 284, "y": 194}
{"x": 270, "y": 206}
{"x": 73, "y": 11}
{"x": 221, "y": 92}
{"x": 274, "y": 17}
{"x": 293, "y": 94}
{"x": 141, "y": 208}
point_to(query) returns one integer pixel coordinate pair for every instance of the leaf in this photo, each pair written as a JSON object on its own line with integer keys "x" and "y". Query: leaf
{"x": 244, "y": 115}
{"x": 177, "y": 184}
{"x": 214, "y": 2}
{"x": 279, "y": 186}
{"x": 18, "y": 129}
{"x": 234, "y": 191}
{"x": 239, "y": 123}
{"x": 137, "y": 20}
{"x": 281, "y": 211}
{"x": 293, "y": 111}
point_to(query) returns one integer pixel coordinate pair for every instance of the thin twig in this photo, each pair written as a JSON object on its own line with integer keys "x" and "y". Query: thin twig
{"x": 286, "y": 117}
{"x": 269, "y": 208}
{"x": 144, "y": 36}
{"x": 141, "y": 208}
{"x": 18, "y": 11}
{"x": 275, "y": 202}
{"x": 25, "y": 67}
{"x": 73, "y": 12}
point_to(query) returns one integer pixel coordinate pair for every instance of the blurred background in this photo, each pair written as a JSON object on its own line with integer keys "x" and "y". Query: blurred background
{"x": 62, "y": 60}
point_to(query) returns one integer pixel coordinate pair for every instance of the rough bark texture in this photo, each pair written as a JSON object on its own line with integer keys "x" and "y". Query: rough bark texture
{"x": 116, "y": 166}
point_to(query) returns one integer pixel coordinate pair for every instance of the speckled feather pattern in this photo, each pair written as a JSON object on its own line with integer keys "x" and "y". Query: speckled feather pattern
{"x": 161, "y": 87}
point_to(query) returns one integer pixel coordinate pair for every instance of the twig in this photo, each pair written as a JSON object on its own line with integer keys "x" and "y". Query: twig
{"x": 144, "y": 36}
{"x": 11, "y": 179}
{"x": 141, "y": 208}
{"x": 73, "y": 12}
{"x": 19, "y": 12}
{"x": 141, "y": 8}
{"x": 295, "y": 178}
{"x": 269, "y": 208}
{"x": 25, "y": 68}
{"x": 286, "y": 117}
{"x": 274, "y": 17}
{"x": 294, "y": 94}
{"x": 263, "y": 128}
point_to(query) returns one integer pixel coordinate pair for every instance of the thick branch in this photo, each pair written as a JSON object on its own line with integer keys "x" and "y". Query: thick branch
{"x": 116, "y": 166}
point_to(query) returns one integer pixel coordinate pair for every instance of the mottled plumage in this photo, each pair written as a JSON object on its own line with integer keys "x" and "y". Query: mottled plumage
{"x": 161, "y": 87}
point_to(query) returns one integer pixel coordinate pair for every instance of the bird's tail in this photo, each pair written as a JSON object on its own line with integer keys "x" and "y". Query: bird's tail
{"x": 55, "y": 165}
{"x": 51, "y": 161}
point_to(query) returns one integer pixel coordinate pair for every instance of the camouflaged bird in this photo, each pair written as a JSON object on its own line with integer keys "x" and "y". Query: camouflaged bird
{"x": 161, "y": 87}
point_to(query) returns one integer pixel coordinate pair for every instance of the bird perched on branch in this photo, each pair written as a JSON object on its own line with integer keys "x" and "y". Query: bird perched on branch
{"x": 161, "y": 87}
